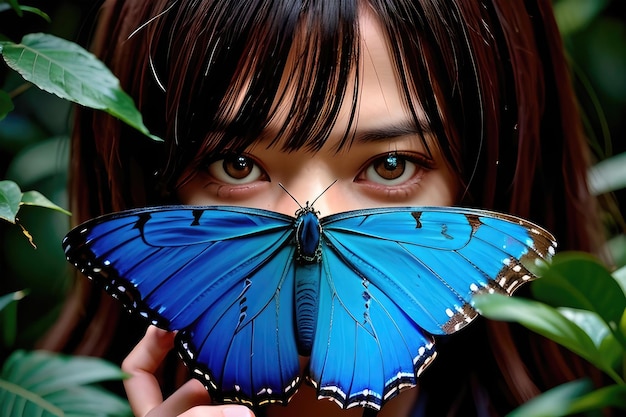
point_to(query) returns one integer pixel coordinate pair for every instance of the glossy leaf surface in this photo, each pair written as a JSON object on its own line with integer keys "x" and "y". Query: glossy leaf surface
{"x": 67, "y": 70}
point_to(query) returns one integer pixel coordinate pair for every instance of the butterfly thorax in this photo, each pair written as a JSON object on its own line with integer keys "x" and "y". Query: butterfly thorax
{"x": 308, "y": 231}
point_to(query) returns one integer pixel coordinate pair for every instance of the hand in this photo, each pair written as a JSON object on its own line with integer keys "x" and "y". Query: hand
{"x": 144, "y": 392}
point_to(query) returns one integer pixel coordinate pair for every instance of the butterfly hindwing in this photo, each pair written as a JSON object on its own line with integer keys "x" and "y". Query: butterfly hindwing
{"x": 258, "y": 363}
{"x": 366, "y": 349}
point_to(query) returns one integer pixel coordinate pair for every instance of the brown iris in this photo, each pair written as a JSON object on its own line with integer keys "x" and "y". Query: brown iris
{"x": 390, "y": 167}
{"x": 238, "y": 166}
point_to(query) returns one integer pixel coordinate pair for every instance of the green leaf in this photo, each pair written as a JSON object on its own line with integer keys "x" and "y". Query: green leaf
{"x": 612, "y": 351}
{"x": 573, "y": 15}
{"x": 64, "y": 68}
{"x": 555, "y": 402}
{"x": 8, "y": 317}
{"x": 7, "y": 299}
{"x": 18, "y": 402}
{"x": 35, "y": 198}
{"x": 579, "y": 280}
{"x": 51, "y": 384}
{"x": 8, "y": 320}
{"x": 13, "y": 4}
{"x": 36, "y": 11}
{"x": 620, "y": 277}
{"x": 608, "y": 175}
{"x": 611, "y": 396}
{"x": 6, "y": 104}
{"x": 56, "y": 372}
{"x": 546, "y": 321}
{"x": 598, "y": 331}
{"x": 93, "y": 401}
{"x": 588, "y": 321}
{"x": 10, "y": 197}
{"x": 622, "y": 327}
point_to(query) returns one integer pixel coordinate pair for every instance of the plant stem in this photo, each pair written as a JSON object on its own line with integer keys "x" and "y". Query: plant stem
{"x": 22, "y": 88}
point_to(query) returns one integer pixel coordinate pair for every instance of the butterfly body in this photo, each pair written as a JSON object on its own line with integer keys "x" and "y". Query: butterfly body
{"x": 308, "y": 232}
{"x": 361, "y": 293}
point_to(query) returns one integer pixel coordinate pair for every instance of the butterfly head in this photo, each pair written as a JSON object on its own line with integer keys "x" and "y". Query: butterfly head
{"x": 308, "y": 230}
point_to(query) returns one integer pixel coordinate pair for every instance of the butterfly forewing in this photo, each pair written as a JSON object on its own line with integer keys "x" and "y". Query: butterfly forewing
{"x": 436, "y": 258}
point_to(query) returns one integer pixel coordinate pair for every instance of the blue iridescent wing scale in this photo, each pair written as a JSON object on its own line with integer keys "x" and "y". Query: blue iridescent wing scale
{"x": 436, "y": 258}
{"x": 397, "y": 276}
{"x": 222, "y": 276}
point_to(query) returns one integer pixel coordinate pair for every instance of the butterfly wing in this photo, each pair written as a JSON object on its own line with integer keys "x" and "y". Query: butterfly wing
{"x": 396, "y": 276}
{"x": 225, "y": 277}
{"x": 366, "y": 350}
{"x": 222, "y": 276}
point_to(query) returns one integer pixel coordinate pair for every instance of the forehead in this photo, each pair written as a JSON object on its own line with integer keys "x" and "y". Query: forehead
{"x": 380, "y": 93}
{"x": 373, "y": 94}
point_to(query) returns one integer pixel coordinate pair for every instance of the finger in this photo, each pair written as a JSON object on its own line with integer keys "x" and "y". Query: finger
{"x": 192, "y": 400}
{"x": 191, "y": 394}
{"x": 142, "y": 388}
{"x": 219, "y": 411}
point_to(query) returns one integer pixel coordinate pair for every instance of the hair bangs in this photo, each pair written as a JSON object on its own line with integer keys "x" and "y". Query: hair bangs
{"x": 435, "y": 67}
{"x": 235, "y": 74}
{"x": 228, "y": 76}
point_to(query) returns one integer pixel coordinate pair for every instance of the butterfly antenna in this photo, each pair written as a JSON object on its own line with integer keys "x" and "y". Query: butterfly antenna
{"x": 317, "y": 198}
{"x": 289, "y": 194}
{"x": 322, "y": 193}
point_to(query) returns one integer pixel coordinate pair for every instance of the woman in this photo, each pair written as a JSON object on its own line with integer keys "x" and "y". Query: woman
{"x": 403, "y": 102}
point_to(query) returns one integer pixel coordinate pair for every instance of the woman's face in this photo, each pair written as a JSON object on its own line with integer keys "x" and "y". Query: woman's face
{"x": 386, "y": 165}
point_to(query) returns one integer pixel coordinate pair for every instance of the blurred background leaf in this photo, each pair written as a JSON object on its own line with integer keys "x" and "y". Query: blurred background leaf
{"x": 579, "y": 280}
{"x": 554, "y": 403}
{"x": 8, "y": 318}
{"x": 43, "y": 384}
{"x": 34, "y": 154}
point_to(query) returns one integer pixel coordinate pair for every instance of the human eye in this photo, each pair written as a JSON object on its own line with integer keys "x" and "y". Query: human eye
{"x": 395, "y": 169}
{"x": 236, "y": 169}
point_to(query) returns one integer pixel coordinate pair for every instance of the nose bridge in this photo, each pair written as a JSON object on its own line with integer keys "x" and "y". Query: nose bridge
{"x": 307, "y": 187}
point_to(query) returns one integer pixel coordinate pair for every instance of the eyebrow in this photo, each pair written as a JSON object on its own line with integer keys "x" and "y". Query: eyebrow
{"x": 390, "y": 131}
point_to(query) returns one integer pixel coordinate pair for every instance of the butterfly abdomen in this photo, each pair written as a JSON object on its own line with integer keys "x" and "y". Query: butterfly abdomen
{"x": 307, "y": 305}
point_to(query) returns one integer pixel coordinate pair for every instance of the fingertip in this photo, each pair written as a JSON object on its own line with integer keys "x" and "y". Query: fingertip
{"x": 236, "y": 411}
{"x": 150, "y": 351}
{"x": 162, "y": 337}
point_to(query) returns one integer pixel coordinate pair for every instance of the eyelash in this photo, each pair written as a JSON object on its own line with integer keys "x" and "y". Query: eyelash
{"x": 244, "y": 161}
{"x": 218, "y": 169}
{"x": 421, "y": 163}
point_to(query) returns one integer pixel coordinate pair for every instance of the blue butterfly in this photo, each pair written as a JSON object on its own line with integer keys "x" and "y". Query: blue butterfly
{"x": 362, "y": 293}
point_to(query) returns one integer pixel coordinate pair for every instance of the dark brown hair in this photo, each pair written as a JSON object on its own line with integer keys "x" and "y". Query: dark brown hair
{"x": 490, "y": 75}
